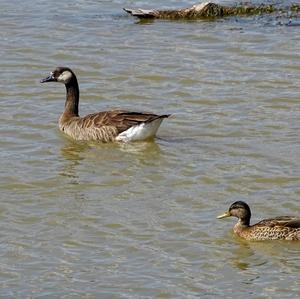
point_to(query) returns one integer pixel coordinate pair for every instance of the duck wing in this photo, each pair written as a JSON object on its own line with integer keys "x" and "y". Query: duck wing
{"x": 281, "y": 221}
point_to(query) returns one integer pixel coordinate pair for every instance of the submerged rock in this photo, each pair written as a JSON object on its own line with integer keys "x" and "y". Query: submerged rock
{"x": 207, "y": 10}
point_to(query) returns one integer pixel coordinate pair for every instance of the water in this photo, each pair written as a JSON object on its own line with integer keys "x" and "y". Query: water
{"x": 88, "y": 220}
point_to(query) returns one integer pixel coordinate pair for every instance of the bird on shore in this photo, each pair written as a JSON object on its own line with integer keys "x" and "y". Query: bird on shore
{"x": 278, "y": 228}
{"x": 106, "y": 126}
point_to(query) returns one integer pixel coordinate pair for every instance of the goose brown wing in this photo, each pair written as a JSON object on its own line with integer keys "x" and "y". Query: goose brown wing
{"x": 282, "y": 221}
{"x": 120, "y": 119}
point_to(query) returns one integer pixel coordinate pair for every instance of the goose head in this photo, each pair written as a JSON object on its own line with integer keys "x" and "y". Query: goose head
{"x": 60, "y": 74}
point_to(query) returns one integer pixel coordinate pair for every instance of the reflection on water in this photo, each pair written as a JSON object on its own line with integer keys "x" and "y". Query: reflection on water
{"x": 77, "y": 151}
{"x": 241, "y": 256}
{"x": 71, "y": 150}
{"x": 148, "y": 149}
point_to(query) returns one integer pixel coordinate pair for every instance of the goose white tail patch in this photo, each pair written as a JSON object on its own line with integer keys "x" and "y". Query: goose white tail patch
{"x": 140, "y": 132}
{"x": 65, "y": 77}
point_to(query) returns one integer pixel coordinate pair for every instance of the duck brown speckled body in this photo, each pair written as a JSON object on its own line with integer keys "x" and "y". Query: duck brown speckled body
{"x": 106, "y": 126}
{"x": 278, "y": 228}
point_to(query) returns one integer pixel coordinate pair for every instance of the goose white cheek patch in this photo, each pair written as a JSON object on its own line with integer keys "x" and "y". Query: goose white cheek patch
{"x": 65, "y": 77}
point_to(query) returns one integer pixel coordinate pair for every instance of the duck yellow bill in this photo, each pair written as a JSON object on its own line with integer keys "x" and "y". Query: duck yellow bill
{"x": 226, "y": 214}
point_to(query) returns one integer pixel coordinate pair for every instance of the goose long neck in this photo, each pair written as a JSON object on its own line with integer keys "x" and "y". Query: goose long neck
{"x": 72, "y": 98}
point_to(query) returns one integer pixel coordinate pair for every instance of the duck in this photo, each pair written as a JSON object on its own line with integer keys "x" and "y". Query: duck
{"x": 277, "y": 228}
{"x": 105, "y": 126}
{"x": 201, "y": 10}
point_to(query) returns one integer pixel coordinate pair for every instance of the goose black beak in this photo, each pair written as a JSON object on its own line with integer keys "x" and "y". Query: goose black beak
{"x": 50, "y": 78}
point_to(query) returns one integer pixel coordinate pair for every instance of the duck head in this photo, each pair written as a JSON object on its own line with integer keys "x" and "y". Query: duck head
{"x": 238, "y": 209}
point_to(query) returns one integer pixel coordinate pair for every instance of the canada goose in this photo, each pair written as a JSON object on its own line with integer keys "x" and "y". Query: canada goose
{"x": 278, "y": 228}
{"x": 201, "y": 10}
{"x": 106, "y": 126}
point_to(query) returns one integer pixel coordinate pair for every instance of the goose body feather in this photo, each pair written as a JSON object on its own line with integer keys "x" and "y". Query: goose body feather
{"x": 113, "y": 125}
